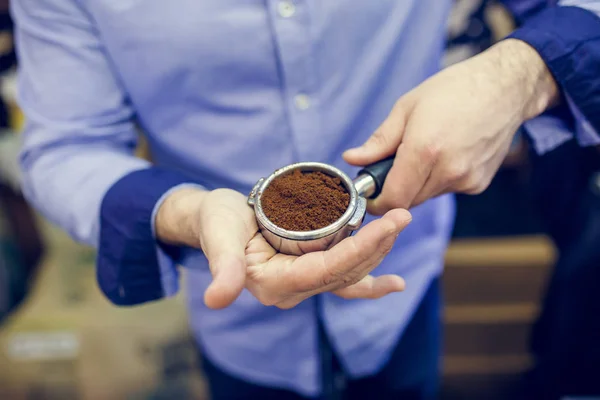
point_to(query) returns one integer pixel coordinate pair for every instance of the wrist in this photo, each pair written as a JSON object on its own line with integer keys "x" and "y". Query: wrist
{"x": 178, "y": 216}
{"x": 535, "y": 89}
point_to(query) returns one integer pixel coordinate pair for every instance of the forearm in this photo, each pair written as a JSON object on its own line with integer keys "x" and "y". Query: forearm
{"x": 524, "y": 76}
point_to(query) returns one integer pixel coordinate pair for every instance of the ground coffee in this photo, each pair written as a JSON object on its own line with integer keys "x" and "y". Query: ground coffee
{"x": 304, "y": 201}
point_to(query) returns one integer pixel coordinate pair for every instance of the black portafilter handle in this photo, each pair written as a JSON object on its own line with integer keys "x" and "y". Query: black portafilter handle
{"x": 378, "y": 171}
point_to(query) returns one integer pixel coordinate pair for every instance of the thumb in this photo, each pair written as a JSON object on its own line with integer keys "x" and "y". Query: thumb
{"x": 223, "y": 242}
{"x": 384, "y": 141}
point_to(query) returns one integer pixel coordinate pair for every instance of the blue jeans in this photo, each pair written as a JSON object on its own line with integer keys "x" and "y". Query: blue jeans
{"x": 411, "y": 373}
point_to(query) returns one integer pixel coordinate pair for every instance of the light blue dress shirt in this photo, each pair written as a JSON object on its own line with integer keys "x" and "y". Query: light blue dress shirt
{"x": 228, "y": 91}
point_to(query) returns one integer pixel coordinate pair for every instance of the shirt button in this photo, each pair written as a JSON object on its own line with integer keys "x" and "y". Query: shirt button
{"x": 286, "y": 9}
{"x": 302, "y": 101}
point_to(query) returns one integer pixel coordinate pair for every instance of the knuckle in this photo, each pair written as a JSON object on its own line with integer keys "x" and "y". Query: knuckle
{"x": 475, "y": 190}
{"x": 387, "y": 246}
{"x": 268, "y": 299}
{"x": 287, "y": 305}
{"x": 352, "y": 280}
{"x": 399, "y": 106}
{"x": 476, "y": 185}
{"x": 378, "y": 138}
{"x": 338, "y": 279}
{"x": 330, "y": 277}
{"x": 457, "y": 172}
{"x": 430, "y": 152}
{"x": 340, "y": 276}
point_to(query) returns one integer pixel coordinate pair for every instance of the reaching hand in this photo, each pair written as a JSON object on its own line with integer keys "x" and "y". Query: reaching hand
{"x": 222, "y": 224}
{"x": 451, "y": 133}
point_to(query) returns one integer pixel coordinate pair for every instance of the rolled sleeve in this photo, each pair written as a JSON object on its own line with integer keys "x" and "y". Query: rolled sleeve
{"x": 77, "y": 158}
{"x": 567, "y": 37}
{"x": 132, "y": 266}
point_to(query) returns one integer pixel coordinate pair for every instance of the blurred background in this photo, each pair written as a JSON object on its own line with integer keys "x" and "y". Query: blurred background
{"x": 60, "y": 339}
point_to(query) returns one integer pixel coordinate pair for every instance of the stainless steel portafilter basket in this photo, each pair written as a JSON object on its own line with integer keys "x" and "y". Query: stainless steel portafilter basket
{"x": 366, "y": 185}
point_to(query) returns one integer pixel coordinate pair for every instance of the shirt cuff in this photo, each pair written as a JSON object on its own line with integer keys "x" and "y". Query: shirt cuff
{"x": 547, "y": 132}
{"x": 132, "y": 267}
{"x": 586, "y": 134}
{"x": 568, "y": 40}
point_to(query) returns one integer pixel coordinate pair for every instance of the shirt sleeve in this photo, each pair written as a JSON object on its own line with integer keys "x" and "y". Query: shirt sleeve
{"x": 77, "y": 153}
{"x": 567, "y": 37}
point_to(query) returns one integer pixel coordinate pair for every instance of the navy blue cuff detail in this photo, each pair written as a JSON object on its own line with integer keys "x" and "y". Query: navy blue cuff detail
{"x": 568, "y": 40}
{"x": 522, "y": 10}
{"x": 128, "y": 270}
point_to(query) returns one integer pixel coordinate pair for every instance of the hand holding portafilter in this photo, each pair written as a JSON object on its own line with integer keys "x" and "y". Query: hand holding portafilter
{"x": 366, "y": 185}
{"x": 220, "y": 223}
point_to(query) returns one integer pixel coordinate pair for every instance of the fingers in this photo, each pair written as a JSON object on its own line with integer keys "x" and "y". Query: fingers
{"x": 413, "y": 162}
{"x": 384, "y": 141}
{"x": 455, "y": 176}
{"x": 285, "y": 281}
{"x": 405, "y": 180}
{"x": 351, "y": 259}
{"x": 223, "y": 242}
{"x": 370, "y": 287}
{"x": 431, "y": 189}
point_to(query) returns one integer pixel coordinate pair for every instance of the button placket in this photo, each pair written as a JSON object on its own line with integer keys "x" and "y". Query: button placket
{"x": 293, "y": 41}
